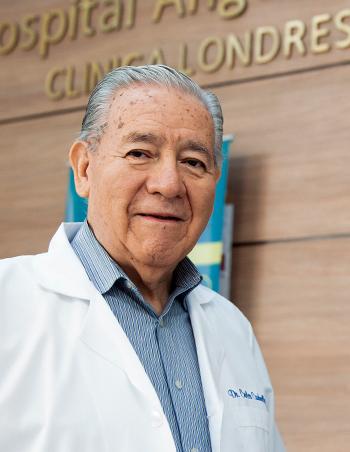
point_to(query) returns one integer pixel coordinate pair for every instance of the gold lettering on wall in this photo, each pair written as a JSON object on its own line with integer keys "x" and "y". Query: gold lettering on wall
{"x": 9, "y": 35}
{"x": 72, "y": 29}
{"x": 52, "y": 31}
{"x": 261, "y": 45}
{"x": 161, "y": 4}
{"x": 71, "y": 91}
{"x": 86, "y": 18}
{"x": 343, "y": 27}
{"x": 218, "y": 47}
{"x": 229, "y": 9}
{"x": 92, "y": 75}
{"x": 55, "y": 25}
{"x": 87, "y": 7}
{"x": 192, "y": 5}
{"x": 183, "y": 61}
{"x": 294, "y": 33}
{"x": 318, "y": 32}
{"x": 243, "y": 51}
{"x": 50, "y": 88}
{"x": 130, "y": 13}
{"x": 132, "y": 58}
{"x": 266, "y": 38}
{"x": 111, "y": 19}
{"x": 157, "y": 57}
{"x": 27, "y": 24}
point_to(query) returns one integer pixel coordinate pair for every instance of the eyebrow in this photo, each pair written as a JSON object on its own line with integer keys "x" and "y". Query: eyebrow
{"x": 198, "y": 147}
{"x": 137, "y": 137}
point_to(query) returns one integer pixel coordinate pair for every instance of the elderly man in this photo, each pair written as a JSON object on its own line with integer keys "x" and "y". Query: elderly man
{"x": 108, "y": 342}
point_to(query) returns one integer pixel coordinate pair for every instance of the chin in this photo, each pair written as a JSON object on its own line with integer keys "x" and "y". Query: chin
{"x": 161, "y": 256}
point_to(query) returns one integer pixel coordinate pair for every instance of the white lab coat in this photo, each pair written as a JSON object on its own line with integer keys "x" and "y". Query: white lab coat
{"x": 70, "y": 380}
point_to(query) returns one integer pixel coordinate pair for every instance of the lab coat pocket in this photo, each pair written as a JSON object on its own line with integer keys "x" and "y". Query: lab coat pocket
{"x": 248, "y": 428}
{"x": 252, "y": 417}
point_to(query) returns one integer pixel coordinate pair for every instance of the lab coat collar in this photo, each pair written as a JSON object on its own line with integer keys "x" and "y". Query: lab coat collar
{"x": 60, "y": 270}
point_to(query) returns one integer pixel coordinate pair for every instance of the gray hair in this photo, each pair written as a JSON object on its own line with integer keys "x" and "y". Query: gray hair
{"x": 95, "y": 119}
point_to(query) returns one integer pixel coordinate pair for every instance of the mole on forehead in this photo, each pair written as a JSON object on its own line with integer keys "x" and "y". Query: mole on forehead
{"x": 159, "y": 98}
{"x": 137, "y": 91}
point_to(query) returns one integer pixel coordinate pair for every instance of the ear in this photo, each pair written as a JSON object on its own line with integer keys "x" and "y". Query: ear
{"x": 79, "y": 157}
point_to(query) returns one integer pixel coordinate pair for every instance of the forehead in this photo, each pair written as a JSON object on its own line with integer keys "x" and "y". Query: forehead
{"x": 143, "y": 108}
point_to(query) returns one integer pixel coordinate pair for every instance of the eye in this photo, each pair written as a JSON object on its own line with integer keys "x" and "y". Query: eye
{"x": 137, "y": 154}
{"x": 195, "y": 164}
{"x": 138, "y": 157}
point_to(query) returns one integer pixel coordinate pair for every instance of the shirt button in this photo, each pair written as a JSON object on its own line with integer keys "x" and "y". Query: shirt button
{"x": 157, "y": 418}
{"x": 128, "y": 284}
{"x": 161, "y": 321}
{"x": 194, "y": 449}
{"x": 178, "y": 384}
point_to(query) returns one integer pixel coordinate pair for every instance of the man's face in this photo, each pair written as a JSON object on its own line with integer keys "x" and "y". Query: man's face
{"x": 151, "y": 181}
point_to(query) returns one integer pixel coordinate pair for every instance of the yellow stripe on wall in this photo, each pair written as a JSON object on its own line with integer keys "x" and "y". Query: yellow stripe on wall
{"x": 207, "y": 253}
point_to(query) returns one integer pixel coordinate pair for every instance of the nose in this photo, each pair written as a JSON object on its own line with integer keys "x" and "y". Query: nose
{"x": 165, "y": 178}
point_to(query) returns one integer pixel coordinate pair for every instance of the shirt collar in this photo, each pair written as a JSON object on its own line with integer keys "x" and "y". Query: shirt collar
{"x": 103, "y": 271}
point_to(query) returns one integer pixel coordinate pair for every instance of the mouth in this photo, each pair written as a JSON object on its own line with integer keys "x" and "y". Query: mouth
{"x": 161, "y": 217}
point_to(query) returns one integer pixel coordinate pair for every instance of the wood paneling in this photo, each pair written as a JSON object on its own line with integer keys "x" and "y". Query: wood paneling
{"x": 297, "y": 296}
{"x": 290, "y": 161}
{"x": 34, "y": 173}
{"x": 23, "y": 72}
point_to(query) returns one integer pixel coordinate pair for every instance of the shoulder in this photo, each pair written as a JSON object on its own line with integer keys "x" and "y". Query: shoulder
{"x": 222, "y": 313}
{"x": 18, "y": 281}
{"x": 221, "y": 305}
{"x": 14, "y": 268}
{"x": 19, "y": 297}
{"x": 19, "y": 286}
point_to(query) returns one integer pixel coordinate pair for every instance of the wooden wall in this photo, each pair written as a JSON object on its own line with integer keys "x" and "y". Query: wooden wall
{"x": 289, "y": 181}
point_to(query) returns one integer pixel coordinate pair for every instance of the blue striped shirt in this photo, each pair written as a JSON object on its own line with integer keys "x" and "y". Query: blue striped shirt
{"x": 164, "y": 343}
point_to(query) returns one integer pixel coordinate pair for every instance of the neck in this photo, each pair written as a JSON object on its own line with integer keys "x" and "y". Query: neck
{"x": 153, "y": 283}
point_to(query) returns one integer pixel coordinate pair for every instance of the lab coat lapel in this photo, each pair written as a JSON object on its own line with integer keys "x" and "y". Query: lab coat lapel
{"x": 61, "y": 271}
{"x": 103, "y": 334}
{"x": 210, "y": 356}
